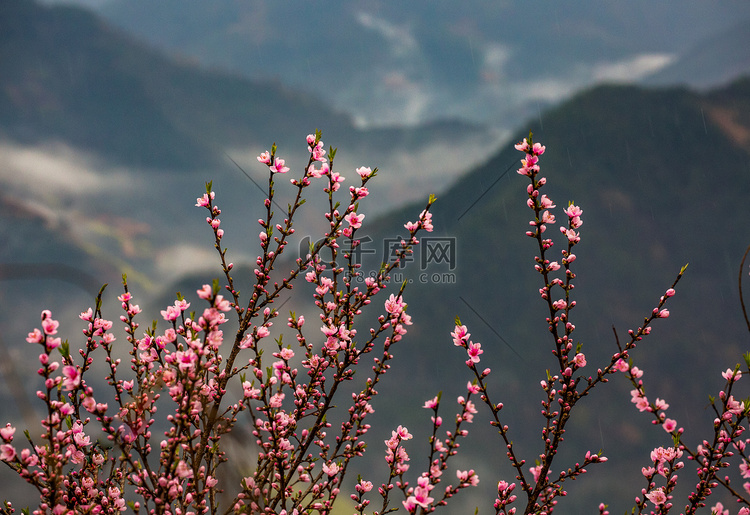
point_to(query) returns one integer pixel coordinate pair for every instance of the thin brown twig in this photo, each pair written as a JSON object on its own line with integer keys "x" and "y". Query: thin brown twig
{"x": 742, "y": 302}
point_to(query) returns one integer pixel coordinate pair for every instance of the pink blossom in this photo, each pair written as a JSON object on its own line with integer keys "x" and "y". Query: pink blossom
{"x": 662, "y": 455}
{"x": 249, "y": 391}
{"x": 171, "y": 313}
{"x": 573, "y": 237}
{"x": 394, "y": 305}
{"x": 735, "y": 407}
{"x": 422, "y": 497}
{"x": 7, "y": 432}
{"x": 573, "y": 211}
{"x": 355, "y": 220}
{"x": 50, "y": 326}
{"x": 360, "y": 192}
{"x": 336, "y": 179}
{"x": 318, "y": 152}
{"x": 545, "y": 202}
{"x": 474, "y": 350}
{"x": 185, "y": 360}
{"x": 669, "y": 425}
{"x": 364, "y": 171}
{"x": 459, "y": 334}
{"x": 426, "y": 218}
{"x": 264, "y": 157}
{"x": 81, "y": 439}
{"x": 205, "y": 292}
{"x": 203, "y": 201}
{"x": 664, "y": 313}
{"x": 36, "y": 336}
{"x": 657, "y": 496}
{"x": 621, "y": 365}
{"x": 640, "y": 400}
{"x": 315, "y": 173}
{"x": 7, "y": 452}
{"x": 278, "y": 166}
{"x": 402, "y": 433}
{"x": 410, "y": 504}
{"x": 731, "y": 374}
{"x": 183, "y": 470}
{"x": 432, "y": 403}
{"x": 331, "y": 469}
{"x": 467, "y": 476}
{"x": 71, "y": 377}
{"x": 523, "y": 146}
{"x": 580, "y": 360}
{"x": 276, "y": 400}
{"x": 363, "y": 486}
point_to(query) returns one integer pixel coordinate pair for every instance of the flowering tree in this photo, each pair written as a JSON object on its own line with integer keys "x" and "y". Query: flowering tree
{"x": 169, "y": 412}
{"x": 565, "y": 389}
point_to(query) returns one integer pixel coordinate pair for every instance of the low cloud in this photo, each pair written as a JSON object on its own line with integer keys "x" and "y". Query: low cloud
{"x": 183, "y": 259}
{"x": 631, "y": 69}
{"x": 56, "y": 169}
{"x": 400, "y": 38}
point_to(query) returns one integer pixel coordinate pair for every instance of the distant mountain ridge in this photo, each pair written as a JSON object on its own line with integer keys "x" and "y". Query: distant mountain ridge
{"x": 402, "y": 62}
{"x": 68, "y": 75}
{"x": 65, "y": 74}
{"x": 662, "y": 176}
{"x": 716, "y": 60}
{"x": 88, "y": 117}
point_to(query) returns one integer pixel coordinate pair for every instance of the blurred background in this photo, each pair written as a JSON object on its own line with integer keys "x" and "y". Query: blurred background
{"x": 114, "y": 114}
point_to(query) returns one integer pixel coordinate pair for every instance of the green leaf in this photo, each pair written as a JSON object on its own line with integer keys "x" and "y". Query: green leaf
{"x": 65, "y": 349}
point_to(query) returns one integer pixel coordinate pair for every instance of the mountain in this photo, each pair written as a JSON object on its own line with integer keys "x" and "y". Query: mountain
{"x": 68, "y": 76}
{"x": 406, "y": 62}
{"x": 712, "y": 62}
{"x": 661, "y": 175}
{"x": 106, "y": 138}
